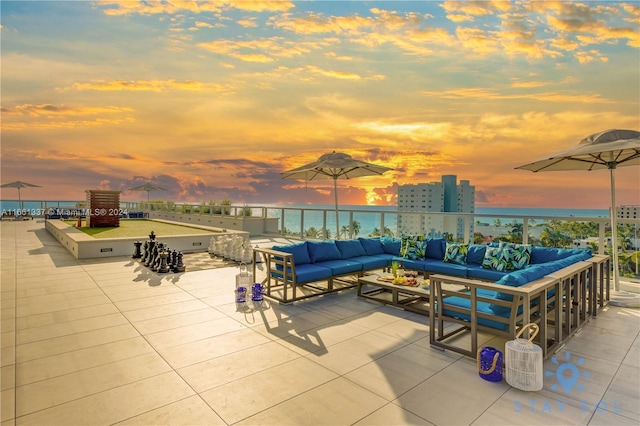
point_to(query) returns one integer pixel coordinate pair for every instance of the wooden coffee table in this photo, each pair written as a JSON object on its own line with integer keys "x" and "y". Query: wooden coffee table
{"x": 376, "y": 287}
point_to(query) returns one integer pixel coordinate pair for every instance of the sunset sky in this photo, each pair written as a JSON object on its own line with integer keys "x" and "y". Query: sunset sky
{"x": 213, "y": 100}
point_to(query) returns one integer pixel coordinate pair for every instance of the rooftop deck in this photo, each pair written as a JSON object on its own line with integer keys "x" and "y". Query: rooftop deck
{"x": 110, "y": 342}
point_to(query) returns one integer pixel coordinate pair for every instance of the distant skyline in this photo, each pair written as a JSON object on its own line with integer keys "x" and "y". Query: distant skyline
{"x": 213, "y": 100}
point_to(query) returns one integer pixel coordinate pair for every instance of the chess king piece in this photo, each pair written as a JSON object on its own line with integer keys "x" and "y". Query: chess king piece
{"x": 152, "y": 236}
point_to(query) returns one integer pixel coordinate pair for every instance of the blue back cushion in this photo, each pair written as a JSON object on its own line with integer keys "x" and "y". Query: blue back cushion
{"x": 436, "y": 248}
{"x": 299, "y": 252}
{"x": 350, "y": 248}
{"x": 475, "y": 254}
{"x": 391, "y": 245}
{"x": 323, "y": 250}
{"x": 372, "y": 246}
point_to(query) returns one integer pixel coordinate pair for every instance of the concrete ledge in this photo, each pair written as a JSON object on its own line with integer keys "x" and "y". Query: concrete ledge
{"x": 252, "y": 225}
{"x": 83, "y": 246}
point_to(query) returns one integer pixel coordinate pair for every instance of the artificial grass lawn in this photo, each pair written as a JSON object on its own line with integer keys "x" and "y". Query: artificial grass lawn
{"x": 139, "y": 228}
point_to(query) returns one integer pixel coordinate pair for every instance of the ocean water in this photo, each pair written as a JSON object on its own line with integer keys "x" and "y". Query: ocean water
{"x": 294, "y": 219}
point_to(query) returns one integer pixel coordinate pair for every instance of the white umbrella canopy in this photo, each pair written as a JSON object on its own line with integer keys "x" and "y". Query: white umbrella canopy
{"x": 609, "y": 149}
{"x": 19, "y": 185}
{"x": 147, "y": 187}
{"x": 336, "y": 165}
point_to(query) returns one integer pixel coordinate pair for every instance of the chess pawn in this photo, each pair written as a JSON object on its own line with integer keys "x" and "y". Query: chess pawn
{"x": 136, "y": 253}
{"x": 174, "y": 260}
{"x": 180, "y": 267}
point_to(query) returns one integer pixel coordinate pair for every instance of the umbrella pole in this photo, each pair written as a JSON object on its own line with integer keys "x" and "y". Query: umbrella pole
{"x": 614, "y": 230}
{"x": 335, "y": 192}
{"x": 19, "y": 201}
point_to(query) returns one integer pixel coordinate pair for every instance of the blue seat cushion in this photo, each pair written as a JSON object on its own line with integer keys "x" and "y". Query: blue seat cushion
{"x": 483, "y": 307}
{"x": 350, "y": 248}
{"x": 549, "y": 254}
{"x": 320, "y": 251}
{"x": 417, "y": 265}
{"x": 370, "y": 262}
{"x": 299, "y": 252}
{"x": 477, "y": 271}
{"x": 391, "y": 245}
{"x": 440, "y": 267}
{"x": 309, "y": 272}
{"x": 372, "y": 246}
{"x": 386, "y": 256}
{"x": 341, "y": 266}
{"x": 535, "y": 272}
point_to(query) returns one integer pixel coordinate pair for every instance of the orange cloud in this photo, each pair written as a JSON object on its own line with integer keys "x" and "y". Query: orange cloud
{"x": 262, "y": 50}
{"x": 120, "y": 8}
{"x": 481, "y": 93}
{"x": 461, "y": 11}
{"x": 152, "y": 86}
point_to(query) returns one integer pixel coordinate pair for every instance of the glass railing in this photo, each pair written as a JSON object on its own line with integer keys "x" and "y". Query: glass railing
{"x": 309, "y": 222}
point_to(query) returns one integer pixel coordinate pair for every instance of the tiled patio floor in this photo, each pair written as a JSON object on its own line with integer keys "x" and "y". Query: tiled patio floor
{"x": 109, "y": 342}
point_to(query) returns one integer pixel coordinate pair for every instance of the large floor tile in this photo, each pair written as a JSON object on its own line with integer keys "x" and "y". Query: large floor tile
{"x": 189, "y": 411}
{"x": 353, "y": 353}
{"x": 453, "y": 396}
{"x": 394, "y": 373}
{"x": 114, "y": 405}
{"x": 69, "y": 362}
{"x": 58, "y": 345}
{"x": 245, "y": 397}
{"x": 210, "y": 348}
{"x": 236, "y": 365}
{"x": 58, "y": 390}
{"x": 391, "y": 414}
{"x": 336, "y": 402}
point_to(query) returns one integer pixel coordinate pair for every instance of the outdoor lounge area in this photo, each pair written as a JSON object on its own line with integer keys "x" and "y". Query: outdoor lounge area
{"x": 106, "y": 341}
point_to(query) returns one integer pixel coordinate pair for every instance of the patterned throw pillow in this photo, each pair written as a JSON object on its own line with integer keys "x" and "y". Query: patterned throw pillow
{"x": 519, "y": 255}
{"x": 413, "y": 247}
{"x": 496, "y": 258}
{"x": 456, "y": 253}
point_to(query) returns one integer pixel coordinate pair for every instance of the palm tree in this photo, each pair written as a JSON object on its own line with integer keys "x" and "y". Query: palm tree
{"x": 344, "y": 231}
{"x": 355, "y": 225}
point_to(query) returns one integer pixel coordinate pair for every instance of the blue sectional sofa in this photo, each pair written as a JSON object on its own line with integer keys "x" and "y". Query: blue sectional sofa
{"x": 496, "y": 287}
{"x": 315, "y": 264}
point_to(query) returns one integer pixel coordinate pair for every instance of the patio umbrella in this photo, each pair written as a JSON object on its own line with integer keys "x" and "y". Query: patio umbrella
{"x": 147, "y": 187}
{"x": 605, "y": 150}
{"x": 19, "y": 185}
{"x": 336, "y": 165}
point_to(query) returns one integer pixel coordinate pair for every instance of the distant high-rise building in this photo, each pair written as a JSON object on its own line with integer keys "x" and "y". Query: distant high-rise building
{"x": 628, "y": 212}
{"x": 444, "y": 196}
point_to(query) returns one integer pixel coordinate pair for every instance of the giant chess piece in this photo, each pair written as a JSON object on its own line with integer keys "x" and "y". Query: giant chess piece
{"x": 163, "y": 268}
{"x": 136, "y": 253}
{"x": 145, "y": 250}
{"x": 155, "y": 262}
{"x": 152, "y": 236}
{"x": 152, "y": 250}
{"x": 173, "y": 262}
{"x": 180, "y": 267}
